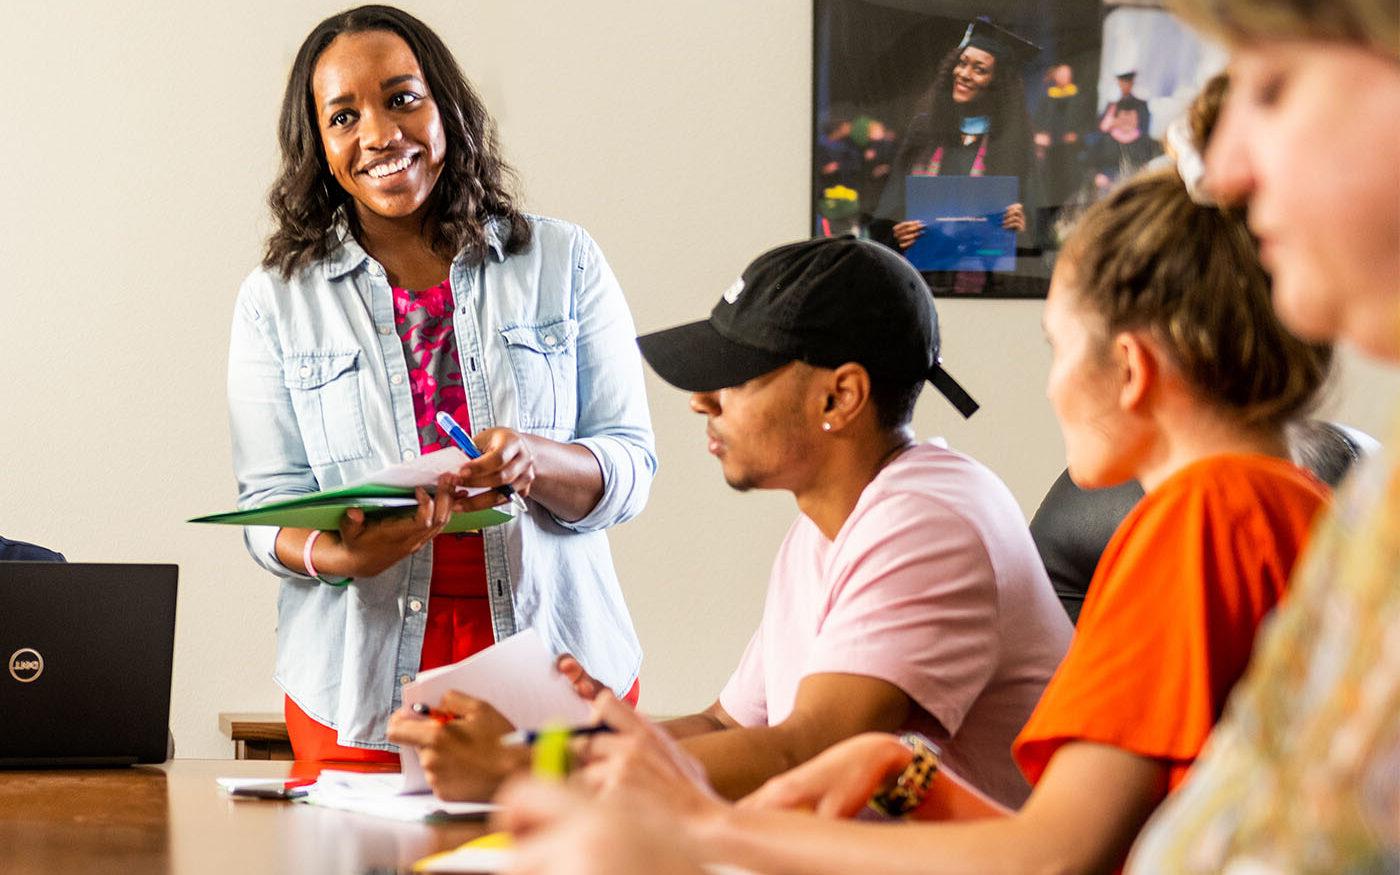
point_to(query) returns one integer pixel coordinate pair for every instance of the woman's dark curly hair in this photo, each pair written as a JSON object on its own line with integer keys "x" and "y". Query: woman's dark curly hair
{"x": 936, "y": 123}
{"x": 475, "y": 185}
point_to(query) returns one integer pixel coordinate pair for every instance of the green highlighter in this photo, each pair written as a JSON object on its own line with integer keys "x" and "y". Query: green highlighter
{"x": 552, "y": 756}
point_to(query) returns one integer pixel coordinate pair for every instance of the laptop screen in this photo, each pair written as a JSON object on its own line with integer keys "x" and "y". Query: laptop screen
{"x": 88, "y": 650}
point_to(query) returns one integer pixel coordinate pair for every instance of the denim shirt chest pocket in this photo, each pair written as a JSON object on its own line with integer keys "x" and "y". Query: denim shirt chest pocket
{"x": 325, "y": 391}
{"x": 544, "y": 359}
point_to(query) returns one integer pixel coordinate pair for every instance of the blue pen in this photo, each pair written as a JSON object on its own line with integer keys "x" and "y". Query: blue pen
{"x": 464, "y": 441}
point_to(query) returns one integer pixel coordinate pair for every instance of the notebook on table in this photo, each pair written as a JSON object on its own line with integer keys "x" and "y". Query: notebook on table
{"x": 88, "y": 650}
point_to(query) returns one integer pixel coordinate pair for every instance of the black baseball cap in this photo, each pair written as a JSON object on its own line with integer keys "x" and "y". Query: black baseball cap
{"x": 824, "y": 302}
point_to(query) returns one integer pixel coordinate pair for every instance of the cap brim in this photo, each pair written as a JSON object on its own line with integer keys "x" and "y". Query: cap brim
{"x": 697, "y": 358}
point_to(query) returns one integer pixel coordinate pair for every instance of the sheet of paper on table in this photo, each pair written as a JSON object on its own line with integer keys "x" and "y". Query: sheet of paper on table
{"x": 381, "y": 794}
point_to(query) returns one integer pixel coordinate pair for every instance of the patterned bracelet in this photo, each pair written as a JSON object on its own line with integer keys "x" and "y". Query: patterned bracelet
{"x": 909, "y": 789}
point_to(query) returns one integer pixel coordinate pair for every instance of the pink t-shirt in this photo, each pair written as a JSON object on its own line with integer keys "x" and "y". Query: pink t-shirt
{"x": 934, "y": 585}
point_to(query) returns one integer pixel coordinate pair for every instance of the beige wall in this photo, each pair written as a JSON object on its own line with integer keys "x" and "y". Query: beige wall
{"x": 138, "y": 144}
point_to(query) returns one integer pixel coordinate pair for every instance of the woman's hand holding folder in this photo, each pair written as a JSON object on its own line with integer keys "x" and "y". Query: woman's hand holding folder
{"x": 368, "y": 545}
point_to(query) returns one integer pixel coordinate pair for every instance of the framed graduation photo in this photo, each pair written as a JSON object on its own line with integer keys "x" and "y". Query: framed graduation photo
{"x": 967, "y": 134}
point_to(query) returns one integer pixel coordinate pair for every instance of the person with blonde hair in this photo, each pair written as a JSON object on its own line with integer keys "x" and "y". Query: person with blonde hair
{"x": 1303, "y": 773}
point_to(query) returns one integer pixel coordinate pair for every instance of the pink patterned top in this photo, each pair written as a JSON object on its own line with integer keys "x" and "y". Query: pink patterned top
{"x": 424, "y": 324}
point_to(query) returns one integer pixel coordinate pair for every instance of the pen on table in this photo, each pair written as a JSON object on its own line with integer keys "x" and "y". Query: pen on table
{"x": 290, "y": 788}
{"x": 431, "y": 713}
{"x": 530, "y": 736}
{"x": 464, "y": 441}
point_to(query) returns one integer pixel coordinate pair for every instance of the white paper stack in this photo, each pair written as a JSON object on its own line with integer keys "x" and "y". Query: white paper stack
{"x": 382, "y": 794}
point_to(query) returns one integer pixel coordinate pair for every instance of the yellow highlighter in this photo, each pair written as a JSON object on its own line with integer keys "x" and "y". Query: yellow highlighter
{"x": 552, "y": 754}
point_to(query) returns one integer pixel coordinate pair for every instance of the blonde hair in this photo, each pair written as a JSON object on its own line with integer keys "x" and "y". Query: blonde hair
{"x": 1374, "y": 24}
{"x": 1147, "y": 257}
{"x": 1204, "y": 112}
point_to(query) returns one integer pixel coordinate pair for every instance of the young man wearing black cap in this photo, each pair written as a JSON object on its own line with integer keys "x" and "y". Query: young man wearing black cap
{"x": 908, "y": 593}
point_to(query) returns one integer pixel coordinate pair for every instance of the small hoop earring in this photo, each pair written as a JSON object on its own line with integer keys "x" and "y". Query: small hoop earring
{"x": 826, "y": 426}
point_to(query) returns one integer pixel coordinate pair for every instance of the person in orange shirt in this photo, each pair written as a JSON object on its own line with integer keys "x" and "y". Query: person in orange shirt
{"x": 1169, "y": 367}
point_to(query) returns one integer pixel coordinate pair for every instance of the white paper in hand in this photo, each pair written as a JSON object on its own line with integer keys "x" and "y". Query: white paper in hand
{"x": 516, "y": 676}
{"x": 421, "y": 470}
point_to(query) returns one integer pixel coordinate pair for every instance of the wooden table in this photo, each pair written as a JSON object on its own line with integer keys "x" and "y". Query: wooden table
{"x": 174, "y": 818}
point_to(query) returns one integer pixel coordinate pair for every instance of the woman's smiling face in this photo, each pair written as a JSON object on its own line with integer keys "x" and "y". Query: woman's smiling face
{"x": 380, "y": 129}
{"x": 972, "y": 74}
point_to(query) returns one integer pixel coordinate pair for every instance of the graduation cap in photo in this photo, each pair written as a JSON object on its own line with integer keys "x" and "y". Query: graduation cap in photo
{"x": 998, "y": 41}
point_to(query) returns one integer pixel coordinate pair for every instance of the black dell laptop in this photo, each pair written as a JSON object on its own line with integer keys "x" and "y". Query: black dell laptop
{"x": 88, "y": 651}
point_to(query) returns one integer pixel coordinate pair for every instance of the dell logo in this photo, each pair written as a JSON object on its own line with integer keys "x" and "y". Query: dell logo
{"x": 26, "y": 665}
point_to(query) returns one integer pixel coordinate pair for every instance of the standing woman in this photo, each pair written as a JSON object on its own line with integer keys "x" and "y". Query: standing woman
{"x": 971, "y": 122}
{"x": 402, "y": 280}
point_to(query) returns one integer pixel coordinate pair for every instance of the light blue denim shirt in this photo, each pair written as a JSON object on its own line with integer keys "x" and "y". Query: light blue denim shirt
{"x": 319, "y": 396}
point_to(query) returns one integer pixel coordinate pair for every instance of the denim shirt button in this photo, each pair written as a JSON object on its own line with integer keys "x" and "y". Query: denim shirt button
{"x": 397, "y": 379}
{"x": 408, "y": 455}
{"x": 415, "y": 605}
{"x": 386, "y": 330}
{"x": 549, "y": 340}
{"x": 403, "y": 679}
{"x": 305, "y": 371}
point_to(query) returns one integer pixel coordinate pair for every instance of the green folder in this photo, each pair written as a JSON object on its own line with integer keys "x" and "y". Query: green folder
{"x": 323, "y": 510}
